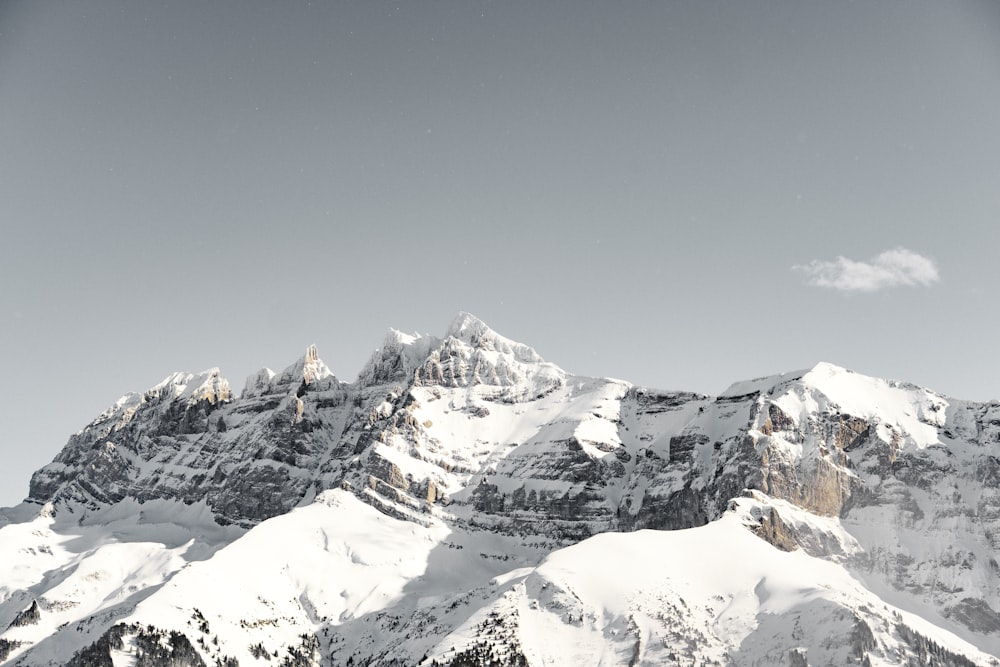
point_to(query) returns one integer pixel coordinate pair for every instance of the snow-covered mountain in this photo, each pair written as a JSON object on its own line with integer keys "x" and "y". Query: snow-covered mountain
{"x": 464, "y": 502}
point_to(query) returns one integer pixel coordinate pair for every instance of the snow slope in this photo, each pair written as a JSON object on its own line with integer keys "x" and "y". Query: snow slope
{"x": 713, "y": 595}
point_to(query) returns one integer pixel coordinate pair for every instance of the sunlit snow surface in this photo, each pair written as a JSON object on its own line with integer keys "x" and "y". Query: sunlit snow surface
{"x": 640, "y": 598}
{"x": 87, "y": 575}
{"x": 367, "y": 583}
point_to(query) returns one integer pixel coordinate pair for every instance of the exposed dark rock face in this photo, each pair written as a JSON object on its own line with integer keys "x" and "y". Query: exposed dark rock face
{"x": 772, "y": 529}
{"x": 682, "y": 447}
{"x": 30, "y": 616}
{"x": 975, "y": 614}
{"x": 249, "y": 459}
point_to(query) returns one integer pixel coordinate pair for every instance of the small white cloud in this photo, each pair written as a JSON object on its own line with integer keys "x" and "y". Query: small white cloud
{"x": 892, "y": 268}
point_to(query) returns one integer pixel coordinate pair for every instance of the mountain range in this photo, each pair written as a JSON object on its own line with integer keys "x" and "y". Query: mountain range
{"x": 463, "y": 502}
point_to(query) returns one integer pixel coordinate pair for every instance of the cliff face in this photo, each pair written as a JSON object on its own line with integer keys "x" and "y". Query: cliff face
{"x": 189, "y": 439}
{"x": 476, "y": 434}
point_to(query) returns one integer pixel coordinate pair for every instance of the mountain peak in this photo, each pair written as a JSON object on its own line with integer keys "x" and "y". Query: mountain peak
{"x": 208, "y": 384}
{"x": 258, "y": 383}
{"x": 466, "y": 326}
{"x": 395, "y": 360}
{"x": 471, "y": 330}
{"x": 309, "y": 368}
{"x": 815, "y": 377}
{"x": 825, "y": 369}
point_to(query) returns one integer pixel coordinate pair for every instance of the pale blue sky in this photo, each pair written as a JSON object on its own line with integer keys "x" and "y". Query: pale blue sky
{"x": 624, "y": 186}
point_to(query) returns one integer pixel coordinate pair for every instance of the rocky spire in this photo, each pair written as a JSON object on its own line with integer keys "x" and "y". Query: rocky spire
{"x": 308, "y": 369}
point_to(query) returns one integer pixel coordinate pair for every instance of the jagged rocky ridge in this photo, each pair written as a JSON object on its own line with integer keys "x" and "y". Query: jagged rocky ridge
{"x": 478, "y": 460}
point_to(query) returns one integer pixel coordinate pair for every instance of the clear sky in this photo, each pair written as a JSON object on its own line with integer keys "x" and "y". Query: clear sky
{"x": 680, "y": 194}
